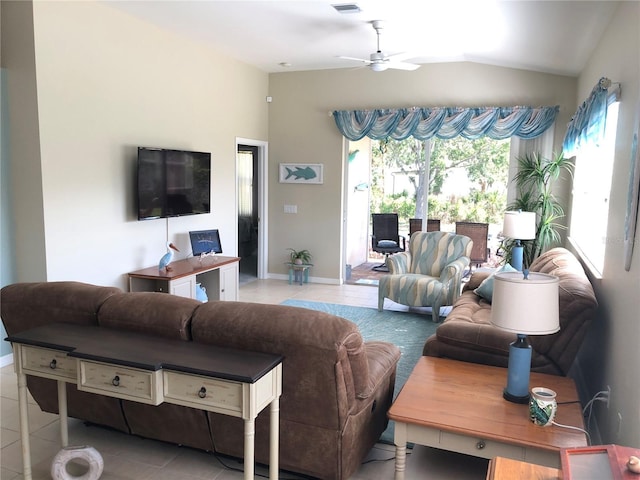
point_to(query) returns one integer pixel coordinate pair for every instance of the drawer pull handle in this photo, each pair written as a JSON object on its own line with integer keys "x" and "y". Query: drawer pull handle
{"x": 116, "y": 381}
{"x": 202, "y": 393}
{"x": 480, "y": 445}
{"x": 53, "y": 364}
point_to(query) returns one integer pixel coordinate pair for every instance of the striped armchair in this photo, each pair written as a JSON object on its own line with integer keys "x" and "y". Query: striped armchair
{"x": 429, "y": 274}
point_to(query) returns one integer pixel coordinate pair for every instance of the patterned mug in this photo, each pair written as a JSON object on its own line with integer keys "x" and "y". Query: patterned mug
{"x": 542, "y": 406}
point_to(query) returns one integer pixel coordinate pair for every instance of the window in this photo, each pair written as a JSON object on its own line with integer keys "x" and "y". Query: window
{"x": 591, "y": 190}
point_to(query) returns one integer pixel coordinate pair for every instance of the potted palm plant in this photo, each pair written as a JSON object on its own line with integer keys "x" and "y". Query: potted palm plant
{"x": 534, "y": 184}
{"x": 300, "y": 257}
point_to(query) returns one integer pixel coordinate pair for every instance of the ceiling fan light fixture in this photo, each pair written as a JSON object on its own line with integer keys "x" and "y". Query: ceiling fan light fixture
{"x": 379, "y": 67}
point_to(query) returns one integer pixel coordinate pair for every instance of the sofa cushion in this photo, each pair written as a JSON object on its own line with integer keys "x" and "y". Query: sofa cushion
{"x": 29, "y": 305}
{"x": 467, "y": 333}
{"x": 311, "y": 341}
{"x": 485, "y": 289}
{"x": 149, "y": 312}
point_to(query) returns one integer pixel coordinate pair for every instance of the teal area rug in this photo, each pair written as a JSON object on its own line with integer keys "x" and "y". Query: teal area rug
{"x": 407, "y": 330}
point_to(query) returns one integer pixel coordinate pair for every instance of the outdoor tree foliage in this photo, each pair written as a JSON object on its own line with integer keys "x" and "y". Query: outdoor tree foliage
{"x": 485, "y": 164}
{"x": 535, "y": 181}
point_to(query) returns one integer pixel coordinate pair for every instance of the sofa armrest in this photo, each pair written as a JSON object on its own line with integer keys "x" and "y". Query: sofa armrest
{"x": 399, "y": 263}
{"x": 382, "y": 359}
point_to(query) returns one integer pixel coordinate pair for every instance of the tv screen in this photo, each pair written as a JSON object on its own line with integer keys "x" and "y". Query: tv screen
{"x": 173, "y": 183}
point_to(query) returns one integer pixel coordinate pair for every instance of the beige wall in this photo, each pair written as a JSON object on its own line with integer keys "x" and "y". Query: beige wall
{"x": 611, "y": 354}
{"x": 107, "y": 83}
{"x": 301, "y": 130}
{"x": 18, "y": 62}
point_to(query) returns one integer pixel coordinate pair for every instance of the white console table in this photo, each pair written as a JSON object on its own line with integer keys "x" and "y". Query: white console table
{"x": 151, "y": 370}
{"x": 218, "y": 275}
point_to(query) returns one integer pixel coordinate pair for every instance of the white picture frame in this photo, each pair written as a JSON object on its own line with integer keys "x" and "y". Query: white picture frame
{"x": 307, "y": 173}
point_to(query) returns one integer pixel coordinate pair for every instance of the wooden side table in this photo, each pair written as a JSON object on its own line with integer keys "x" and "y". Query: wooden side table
{"x": 501, "y": 468}
{"x": 458, "y": 406}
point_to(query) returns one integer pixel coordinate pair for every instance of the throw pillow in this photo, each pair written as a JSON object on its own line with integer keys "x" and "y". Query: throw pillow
{"x": 485, "y": 289}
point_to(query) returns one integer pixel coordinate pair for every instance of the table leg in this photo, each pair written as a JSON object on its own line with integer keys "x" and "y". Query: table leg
{"x": 249, "y": 446}
{"x": 62, "y": 410}
{"x": 24, "y": 425}
{"x": 290, "y": 275}
{"x": 274, "y": 438}
{"x": 400, "y": 439}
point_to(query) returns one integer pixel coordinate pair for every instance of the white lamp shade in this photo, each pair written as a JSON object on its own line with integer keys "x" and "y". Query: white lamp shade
{"x": 519, "y": 225}
{"x": 527, "y": 306}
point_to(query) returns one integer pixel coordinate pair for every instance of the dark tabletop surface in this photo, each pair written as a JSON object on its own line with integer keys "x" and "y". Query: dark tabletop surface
{"x": 149, "y": 352}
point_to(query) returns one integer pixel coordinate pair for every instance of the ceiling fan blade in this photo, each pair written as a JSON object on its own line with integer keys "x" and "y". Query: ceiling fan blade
{"x": 401, "y": 56}
{"x": 403, "y": 66}
{"x": 356, "y": 59}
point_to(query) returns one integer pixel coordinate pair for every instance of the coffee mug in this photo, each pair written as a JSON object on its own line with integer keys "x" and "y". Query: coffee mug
{"x": 542, "y": 406}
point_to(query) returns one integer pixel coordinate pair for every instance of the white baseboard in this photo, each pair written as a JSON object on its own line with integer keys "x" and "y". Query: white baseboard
{"x": 325, "y": 281}
{"x": 6, "y": 360}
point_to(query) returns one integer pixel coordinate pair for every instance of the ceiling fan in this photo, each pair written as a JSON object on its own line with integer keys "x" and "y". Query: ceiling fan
{"x": 378, "y": 61}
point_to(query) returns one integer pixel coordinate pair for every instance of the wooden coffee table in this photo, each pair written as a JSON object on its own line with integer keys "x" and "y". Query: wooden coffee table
{"x": 458, "y": 406}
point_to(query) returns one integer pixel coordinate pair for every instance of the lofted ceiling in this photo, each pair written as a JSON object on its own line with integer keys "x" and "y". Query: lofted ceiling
{"x": 293, "y": 35}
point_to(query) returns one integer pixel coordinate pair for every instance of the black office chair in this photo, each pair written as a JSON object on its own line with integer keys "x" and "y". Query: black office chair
{"x": 386, "y": 238}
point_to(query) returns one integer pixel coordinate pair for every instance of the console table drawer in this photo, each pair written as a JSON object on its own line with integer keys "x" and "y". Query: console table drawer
{"x": 47, "y": 363}
{"x": 222, "y": 396}
{"x": 121, "y": 382}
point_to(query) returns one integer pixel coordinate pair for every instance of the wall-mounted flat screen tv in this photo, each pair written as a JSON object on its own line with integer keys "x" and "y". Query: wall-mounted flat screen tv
{"x": 172, "y": 183}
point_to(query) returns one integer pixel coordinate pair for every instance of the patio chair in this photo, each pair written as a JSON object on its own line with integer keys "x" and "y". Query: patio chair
{"x": 479, "y": 233}
{"x": 429, "y": 274}
{"x": 415, "y": 225}
{"x": 386, "y": 238}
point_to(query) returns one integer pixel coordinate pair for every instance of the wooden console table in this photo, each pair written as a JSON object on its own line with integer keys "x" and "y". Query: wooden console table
{"x": 458, "y": 406}
{"x": 218, "y": 275}
{"x": 151, "y": 370}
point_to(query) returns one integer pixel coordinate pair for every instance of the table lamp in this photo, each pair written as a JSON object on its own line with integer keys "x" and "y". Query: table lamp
{"x": 525, "y": 304}
{"x": 519, "y": 225}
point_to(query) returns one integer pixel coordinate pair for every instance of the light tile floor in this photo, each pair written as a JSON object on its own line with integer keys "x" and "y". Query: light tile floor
{"x": 131, "y": 458}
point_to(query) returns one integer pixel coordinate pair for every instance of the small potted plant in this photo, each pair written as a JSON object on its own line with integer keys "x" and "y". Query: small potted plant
{"x": 298, "y": 257}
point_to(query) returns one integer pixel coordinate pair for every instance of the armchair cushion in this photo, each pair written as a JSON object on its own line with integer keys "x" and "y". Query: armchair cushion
{"x": 429, "y": 273}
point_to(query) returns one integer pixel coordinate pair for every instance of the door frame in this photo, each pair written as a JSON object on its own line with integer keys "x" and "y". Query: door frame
{"x": 263, "y": 161}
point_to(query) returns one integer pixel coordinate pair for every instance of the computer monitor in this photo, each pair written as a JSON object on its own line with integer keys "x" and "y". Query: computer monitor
{"x": 205, "y": 242}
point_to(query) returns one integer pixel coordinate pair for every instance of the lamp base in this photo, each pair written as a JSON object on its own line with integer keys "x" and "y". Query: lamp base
{"x": 515, "y": 398}
{"x": 517, "y": 256}
{"x": 517, "y": 389}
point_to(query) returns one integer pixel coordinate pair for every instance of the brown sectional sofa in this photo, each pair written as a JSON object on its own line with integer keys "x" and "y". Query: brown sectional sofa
{"x": 336, "y": 387}
{"x": 467, "y": 333}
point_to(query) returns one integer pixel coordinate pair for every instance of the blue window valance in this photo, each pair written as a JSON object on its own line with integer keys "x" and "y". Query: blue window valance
{"x": 445, "y": 122}
{"x": 587, "y": 125}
